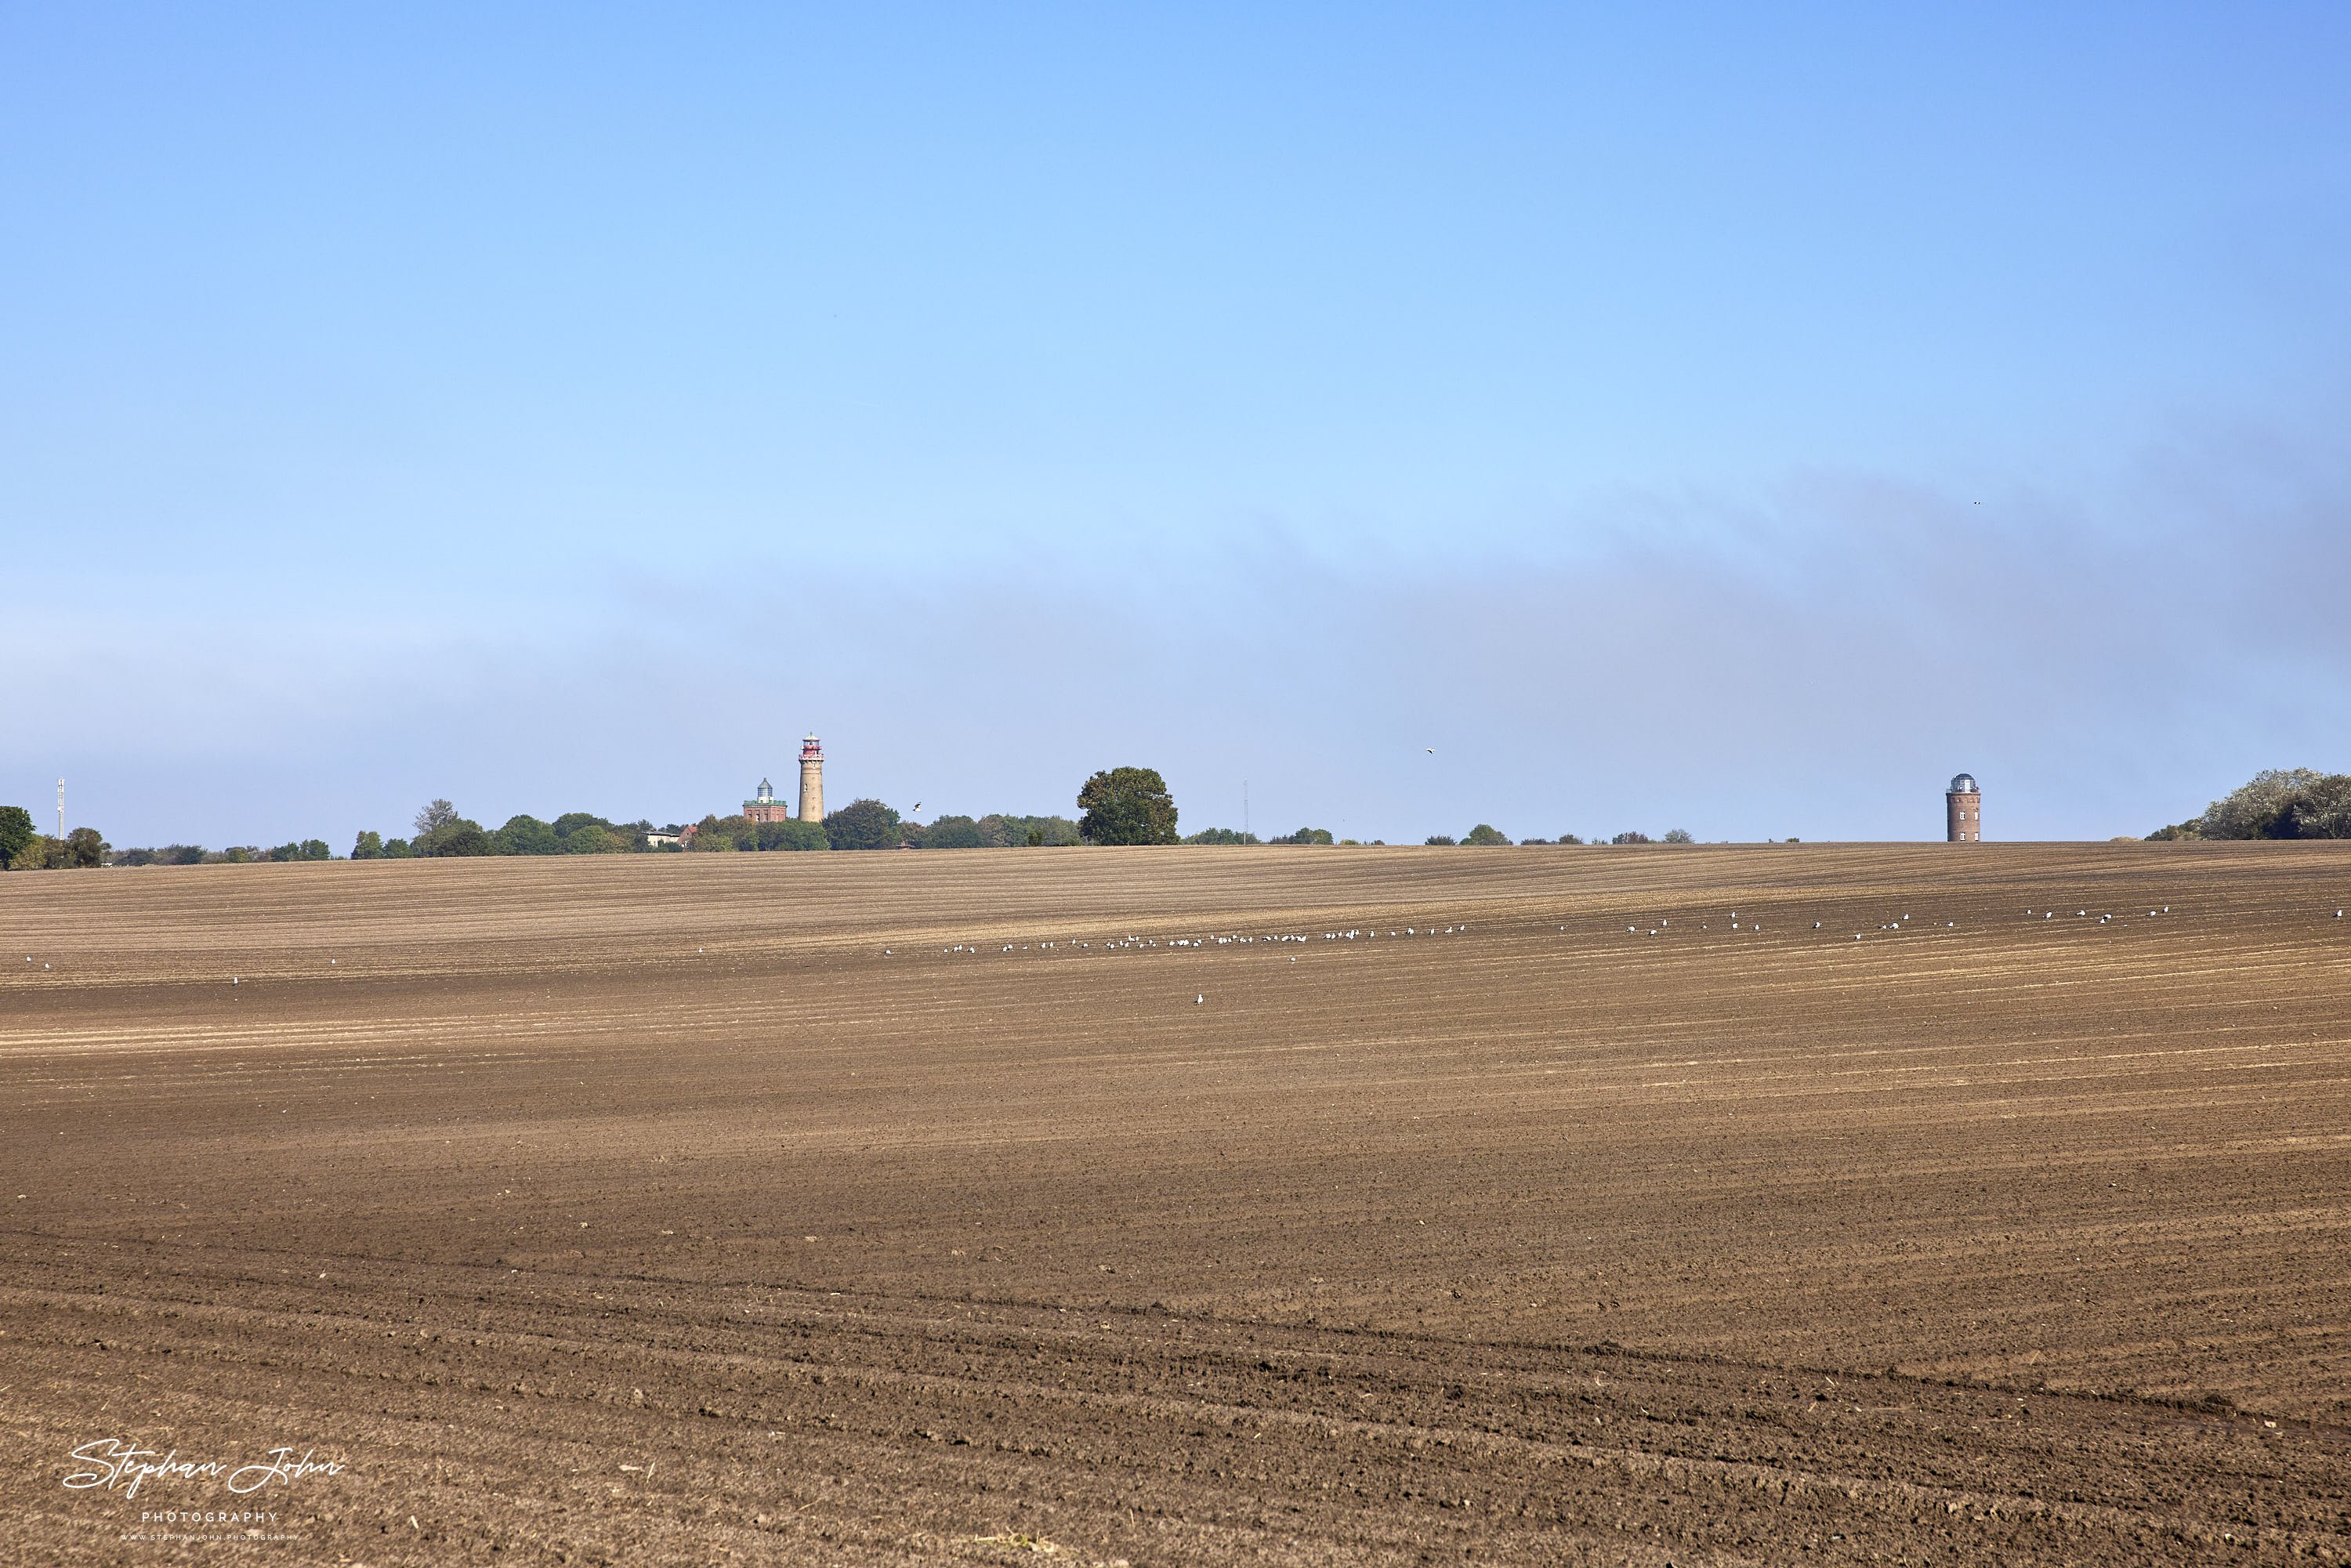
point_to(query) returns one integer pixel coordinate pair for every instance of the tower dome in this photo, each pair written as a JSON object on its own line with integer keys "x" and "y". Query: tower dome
{"x": 1964, "y": 784}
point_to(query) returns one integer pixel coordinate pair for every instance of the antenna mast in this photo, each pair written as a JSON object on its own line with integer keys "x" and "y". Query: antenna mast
{"x": 61, "y": 810}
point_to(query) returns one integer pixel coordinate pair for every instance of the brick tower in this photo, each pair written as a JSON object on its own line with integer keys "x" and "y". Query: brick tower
{"x": 811, "y": 780}
{"x": 1963, "y": 812}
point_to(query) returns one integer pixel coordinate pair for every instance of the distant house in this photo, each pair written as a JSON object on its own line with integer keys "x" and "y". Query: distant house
{"x": 659, "y": 840}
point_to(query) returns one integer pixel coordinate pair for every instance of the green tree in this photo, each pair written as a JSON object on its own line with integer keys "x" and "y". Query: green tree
{"x": 398, "y": 849}
{"x": 1222, "y": 836}
{"x": 2276, "y": 803}
{"x": 286, "y": 852}
{"x": 591, "y": 839}
{"x": 455, "y": 837}
{"x": 367, "y": 846}
{"x": 1438, "y": 839}
{"x": 2254, "y": 808}
{"x": 953, "y": 833}
{"x": 721, "y": 835}
{"x": 2322, "y": 811}
{"x": 1127, "y": 806}
{"x": 1567, "y": 838}
{"x": 1485, "y": 833}
{"x": 16, "y": 834}
{"x": 436, "y": 814}
{"x": 1631, "y": 838}
{"x": 866, "y": 824}
{"x": 792, "y": 834}
{"x": 524, "y": 835}
{"x": 1678, "y": 836}
{"x": 184, "y": 854}
{"x": 316, "y": 850}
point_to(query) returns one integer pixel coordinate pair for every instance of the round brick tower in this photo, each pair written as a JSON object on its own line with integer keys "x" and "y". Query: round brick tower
{"x": 811, "y": 780}
{"x": 1962, "y": 812}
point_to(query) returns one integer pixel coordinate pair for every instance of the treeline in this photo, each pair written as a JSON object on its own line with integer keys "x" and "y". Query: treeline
{"x": 870, "y": 824}
{"x": 235, "y": 854}
{"x": 24, "y": 847}
{"x": 1302, "y": 836}
{"x": 441, "y": 832}
{"x": 2277, "y": 803}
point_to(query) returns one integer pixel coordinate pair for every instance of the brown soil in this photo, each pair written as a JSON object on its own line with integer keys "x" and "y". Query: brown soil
{"x": 643, "y": 1208}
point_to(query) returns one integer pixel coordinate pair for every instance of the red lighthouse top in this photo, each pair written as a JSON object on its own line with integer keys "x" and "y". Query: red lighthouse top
{"x": 812, "y": 750}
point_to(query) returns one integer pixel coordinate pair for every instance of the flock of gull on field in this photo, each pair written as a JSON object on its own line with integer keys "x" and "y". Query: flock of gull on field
{"x": 1130, "y": 944}
{"x": 1902, "y": 923}
{"x": 1135, "y": 944}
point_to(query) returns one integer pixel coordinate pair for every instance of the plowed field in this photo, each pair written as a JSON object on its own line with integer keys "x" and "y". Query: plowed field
{"x": 1183, "y": 1206}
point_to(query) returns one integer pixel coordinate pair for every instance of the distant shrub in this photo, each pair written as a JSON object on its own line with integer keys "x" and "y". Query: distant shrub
{"x": 1631, "y": 838}
{"x": 1438, "y": 839}
{"x": 1222, "y": 836}
{"x": 2277, "y": 803}
{"x": 1485, "y": 833}
{"x": 1678, "y": 836}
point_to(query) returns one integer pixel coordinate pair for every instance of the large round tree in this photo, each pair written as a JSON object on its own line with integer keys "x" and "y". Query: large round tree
{"x": 1127, "y": 806}
{"x": 862, "y": 825}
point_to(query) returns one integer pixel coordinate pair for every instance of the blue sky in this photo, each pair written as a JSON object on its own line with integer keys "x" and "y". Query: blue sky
{"x": 1739, "y": 419}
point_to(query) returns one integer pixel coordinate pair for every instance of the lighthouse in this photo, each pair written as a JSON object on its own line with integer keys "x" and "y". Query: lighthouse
{"x": 811, "y": 780}
{"x": 1962, "y": 812}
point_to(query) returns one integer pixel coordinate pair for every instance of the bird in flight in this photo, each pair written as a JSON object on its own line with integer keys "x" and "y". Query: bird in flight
{"x": 1432, "y": 751}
